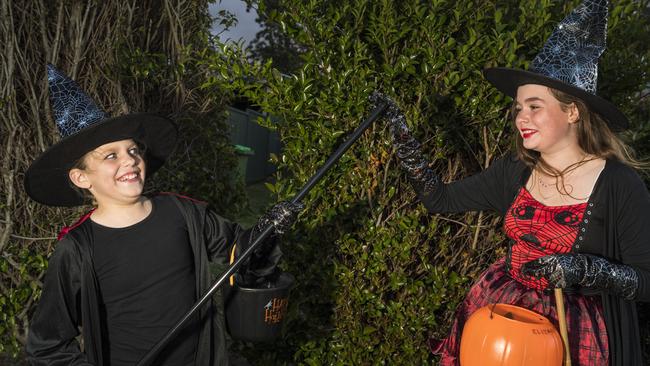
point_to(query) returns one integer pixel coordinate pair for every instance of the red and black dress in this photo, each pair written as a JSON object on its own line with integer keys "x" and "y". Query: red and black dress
{"x": 536, "y": 230}
{"x": 614, "y": 225}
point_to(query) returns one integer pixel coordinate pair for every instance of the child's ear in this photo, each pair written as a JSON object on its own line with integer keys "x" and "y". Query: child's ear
{"x": 79, "y": 178}
{"x": 574, "y": 113}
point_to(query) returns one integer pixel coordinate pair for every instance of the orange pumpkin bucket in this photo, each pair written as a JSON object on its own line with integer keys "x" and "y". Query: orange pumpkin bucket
{"x": 501, "y": 334}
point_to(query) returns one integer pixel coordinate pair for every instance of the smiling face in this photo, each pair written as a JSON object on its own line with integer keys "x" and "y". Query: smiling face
{"x": 543, "y": 124}
{"x": 114, "y": 173}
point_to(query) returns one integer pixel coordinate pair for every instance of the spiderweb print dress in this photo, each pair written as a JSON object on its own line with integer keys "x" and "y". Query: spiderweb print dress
{"x": 536, "y": 230}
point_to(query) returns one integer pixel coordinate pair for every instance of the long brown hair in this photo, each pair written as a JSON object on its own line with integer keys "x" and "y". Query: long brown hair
{"x": 595, "y": 138}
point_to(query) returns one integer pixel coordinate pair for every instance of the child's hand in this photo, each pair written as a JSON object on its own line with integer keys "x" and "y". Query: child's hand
{"x": 586, "y": 270}
{"x": 393, "y": 114}
{"x": 282, "y": 215}
{"x": 407, "y": 148}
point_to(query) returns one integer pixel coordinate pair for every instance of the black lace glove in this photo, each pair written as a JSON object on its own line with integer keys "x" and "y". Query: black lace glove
{"x": 262, "y": 265}
{"x": 589, "y": 271}
{"x": 282, "y": 215}
{"x": 407, "y": 147}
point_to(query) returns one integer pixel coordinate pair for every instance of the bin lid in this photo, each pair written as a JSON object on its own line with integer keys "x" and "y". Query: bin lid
{"x": 244, "y": 150}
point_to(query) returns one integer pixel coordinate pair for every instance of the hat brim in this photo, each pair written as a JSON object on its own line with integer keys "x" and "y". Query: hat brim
{"x": 508, "y": 80}
{"x": 47, "y": 181}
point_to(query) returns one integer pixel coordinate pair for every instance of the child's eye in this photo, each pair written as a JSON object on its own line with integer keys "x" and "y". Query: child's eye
{"x": 534, "y": 107}
{"x": 134, "y": 151}
{"x": 110, "y": 156}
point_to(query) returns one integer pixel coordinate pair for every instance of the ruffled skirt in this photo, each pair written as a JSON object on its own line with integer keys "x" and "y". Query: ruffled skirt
{"x": 585, "y": 322}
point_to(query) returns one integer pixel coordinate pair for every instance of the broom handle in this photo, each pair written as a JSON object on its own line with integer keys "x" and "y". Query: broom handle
{"x": 561, "y": 317}
{"x": 354, "y": 136}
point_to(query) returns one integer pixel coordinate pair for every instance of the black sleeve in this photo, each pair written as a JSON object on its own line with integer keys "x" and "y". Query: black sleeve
{"x": 221, "y": 235}
{"x": 54, "y": 326}
{"x": 491, "y": 189}
{"x": 633, "y": 229}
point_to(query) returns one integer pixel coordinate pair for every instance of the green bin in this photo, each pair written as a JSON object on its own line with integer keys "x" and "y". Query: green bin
{"x": 243, "y": 152}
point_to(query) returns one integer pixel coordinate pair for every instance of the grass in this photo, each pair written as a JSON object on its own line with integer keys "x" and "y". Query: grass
{"x": 259, "y": 200}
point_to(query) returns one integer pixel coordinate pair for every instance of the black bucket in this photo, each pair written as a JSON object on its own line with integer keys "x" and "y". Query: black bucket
{"x": 257, "y": 314}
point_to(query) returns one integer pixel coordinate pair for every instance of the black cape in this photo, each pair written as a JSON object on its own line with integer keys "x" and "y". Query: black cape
{"x": 70, "y": 297}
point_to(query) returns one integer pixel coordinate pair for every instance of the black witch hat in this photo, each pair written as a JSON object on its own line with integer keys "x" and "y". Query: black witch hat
{"x": 569, "y": 62}
{"x": 84, "y": 126}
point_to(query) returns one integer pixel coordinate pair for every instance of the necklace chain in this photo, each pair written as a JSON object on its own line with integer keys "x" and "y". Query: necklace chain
{"x": 545, "y": 185}
{"x": 567, "y": 188}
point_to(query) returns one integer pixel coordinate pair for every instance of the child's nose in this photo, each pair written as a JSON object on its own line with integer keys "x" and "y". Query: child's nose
{"x": 522, "y": 117}
{"x": 129, "y": 160}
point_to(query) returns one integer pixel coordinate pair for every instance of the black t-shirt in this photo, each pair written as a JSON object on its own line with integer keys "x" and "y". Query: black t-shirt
{"x": 147, "y": 283}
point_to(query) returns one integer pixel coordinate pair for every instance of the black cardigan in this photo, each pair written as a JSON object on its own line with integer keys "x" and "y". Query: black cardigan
{"x": 616, "y": 226}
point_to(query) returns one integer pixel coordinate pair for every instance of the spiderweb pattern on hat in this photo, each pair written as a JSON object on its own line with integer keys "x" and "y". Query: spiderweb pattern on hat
{"x": 571, "y": 53}
{"x": 72, "y": 109}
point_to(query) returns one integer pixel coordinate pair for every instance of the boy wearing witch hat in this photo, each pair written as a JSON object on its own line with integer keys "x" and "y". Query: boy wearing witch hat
{"x": 130, "y": 268}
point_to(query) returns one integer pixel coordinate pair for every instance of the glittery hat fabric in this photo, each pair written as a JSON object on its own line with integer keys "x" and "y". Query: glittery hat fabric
{"x": 83, "y": 126}
{"x": 569, "y": 61}
{"x": 72, "y": 109}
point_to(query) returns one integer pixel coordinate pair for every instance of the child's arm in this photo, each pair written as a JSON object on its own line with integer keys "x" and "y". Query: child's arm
{"x": 489, "y": 190}
{"x": 223, "y": 234}
{"x": 220, "y": 235}
{"x": 51, "y": 338}
{"x": 225, "y": 242}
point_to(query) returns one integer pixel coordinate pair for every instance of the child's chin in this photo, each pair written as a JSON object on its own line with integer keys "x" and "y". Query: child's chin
{"x": 134, "y": 191}
{"x": 530, "y": 145}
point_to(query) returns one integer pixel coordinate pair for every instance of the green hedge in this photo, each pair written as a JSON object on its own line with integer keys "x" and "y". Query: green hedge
{"x": 376, "y": 275}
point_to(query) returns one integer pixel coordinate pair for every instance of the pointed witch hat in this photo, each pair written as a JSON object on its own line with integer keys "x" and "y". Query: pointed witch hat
{"x": 569, "y": 62}
{"x": 84, "y": 126}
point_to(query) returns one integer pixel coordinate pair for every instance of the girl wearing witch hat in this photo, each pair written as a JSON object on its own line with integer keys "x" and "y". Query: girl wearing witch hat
{"x": 574, "y": 208}
{"x": 131, "y": 267}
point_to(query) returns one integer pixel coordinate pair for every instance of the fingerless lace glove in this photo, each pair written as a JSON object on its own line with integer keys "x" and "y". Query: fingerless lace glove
{"x": 407, "y": 148}
{"x": 281, "y": 216}
{"x": 589, "y": 271}
{"x": 262, "y": 265}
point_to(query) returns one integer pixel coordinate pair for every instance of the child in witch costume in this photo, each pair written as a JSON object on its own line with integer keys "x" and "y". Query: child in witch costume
{"x": 576, "y": 212}
{"x": 134, "y": 265}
